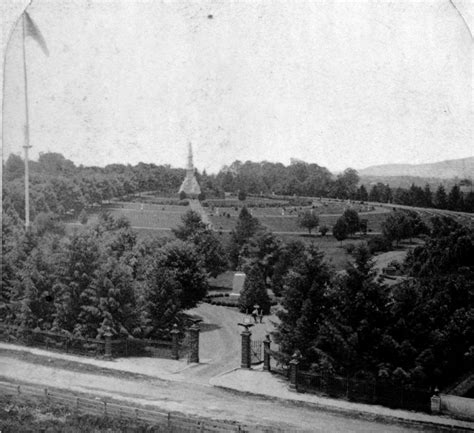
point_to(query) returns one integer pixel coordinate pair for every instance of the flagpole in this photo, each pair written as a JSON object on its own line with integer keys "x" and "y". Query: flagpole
{"x": 27, "y": 133}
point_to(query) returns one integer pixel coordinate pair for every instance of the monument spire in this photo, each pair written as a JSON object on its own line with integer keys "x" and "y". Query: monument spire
{"x": 190, "y": 157}
{"x": 190, "y": 185}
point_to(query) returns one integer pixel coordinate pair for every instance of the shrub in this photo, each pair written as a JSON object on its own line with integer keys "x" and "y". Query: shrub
{"x": 349, "y": 248}
{"x": 378, "y": 244}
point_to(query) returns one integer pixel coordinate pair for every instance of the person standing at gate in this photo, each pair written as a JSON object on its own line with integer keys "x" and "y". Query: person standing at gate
{"x": 260, "y": 315}
{"x": 255, "y": 314}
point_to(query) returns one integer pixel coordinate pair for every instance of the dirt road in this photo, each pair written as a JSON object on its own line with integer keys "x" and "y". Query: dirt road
{"x": 192, "y": 398}
{"x": 219, "y": 346}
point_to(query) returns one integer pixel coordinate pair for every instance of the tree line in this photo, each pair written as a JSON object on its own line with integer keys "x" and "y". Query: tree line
{"x": 57, "y": 185}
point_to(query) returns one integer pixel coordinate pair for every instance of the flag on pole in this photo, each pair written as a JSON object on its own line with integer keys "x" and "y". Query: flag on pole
{"x": 32, "y": 30}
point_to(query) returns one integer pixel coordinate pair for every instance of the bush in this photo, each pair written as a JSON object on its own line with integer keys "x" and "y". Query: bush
{"x": 323, "y": 230}
{"x": 349, "y": 248}
{"x": 379, "y": 244}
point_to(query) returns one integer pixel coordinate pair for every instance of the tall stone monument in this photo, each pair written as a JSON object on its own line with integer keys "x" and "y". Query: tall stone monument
{"x": 190, "y": 185}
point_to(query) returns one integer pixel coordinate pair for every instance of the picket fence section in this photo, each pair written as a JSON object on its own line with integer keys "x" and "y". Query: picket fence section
{"x": 169, "y": 421}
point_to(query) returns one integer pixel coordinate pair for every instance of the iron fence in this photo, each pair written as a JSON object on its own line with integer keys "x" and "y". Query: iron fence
{"x": 142, "y": 347}
{"x": 52, "y": 340}
{"x": 371, "y": 392}
{"x": 85, "y": 346}
{"x": 256, "y": 352}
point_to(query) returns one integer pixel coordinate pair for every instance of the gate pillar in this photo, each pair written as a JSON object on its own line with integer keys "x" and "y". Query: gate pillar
{"x": 194, "y": 343}
{"x": 266, "y": 353}
{"x": 246, "y": 361}
{"x": 174, "y": 342}
{"x": 294, "y": 367}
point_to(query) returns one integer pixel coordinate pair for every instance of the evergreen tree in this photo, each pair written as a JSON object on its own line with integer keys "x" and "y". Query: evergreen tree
{"x": 208, "y": 246}
{"x": 428, "y": 196}
{"x": 362, "y": 194}
{"x": 191, "y": 224}
{"x": 440, "y": 199}
{"x": 182, "y": 258}
{"x": 288, "y": 255}
{"x": 340, "y": 229}
{"x": 361, "y": 302}
{"x": 455, "y": 199}
{"x": 304, "y": 308}
{"x": 245, "y": 228}
{"x": 352, "y": 220}
{"x": 254, "y": 291}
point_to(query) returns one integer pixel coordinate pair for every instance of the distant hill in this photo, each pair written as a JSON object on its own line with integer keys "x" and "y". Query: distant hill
{"x": 461, "y": 168}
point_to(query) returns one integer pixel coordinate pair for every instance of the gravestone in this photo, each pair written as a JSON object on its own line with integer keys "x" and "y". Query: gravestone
{"x": 238, "y": 283}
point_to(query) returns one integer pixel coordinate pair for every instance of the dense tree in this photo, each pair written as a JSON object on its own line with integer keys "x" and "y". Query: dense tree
{"x": 245, "y": 228}
{"x": 441, "y": 199}
{"x": 340, "y": 230}
{"x": 417, "y": 333}
{"x": 323, "y": 230}
{"x": 191, "y": 224}
{"x": 206, "y": 242}
{"x": 361, "y": 302}
{"x": 345, "y": 185}
{"x": 14, "y": 168}
{"x": 261, "y": 251}
{"x": 183, "y": 258}
{"x": 242, "y": 195}
{"x": 254, "y": 291}
{"x": 455, "y": 199}
{"x": 380, "y": 193}
{"x": 352, "y": 220}
{"x": 308, "y": 220}
{"x": 395, "y": 227}
{"x": 287, "y": 255}
{"x": 304, "y": 308}
{"x": 362, "y": 194}
{"x": 428, "y": 196}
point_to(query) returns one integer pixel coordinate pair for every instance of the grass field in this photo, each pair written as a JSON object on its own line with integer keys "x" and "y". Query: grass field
{"x": 152, "y": 217}
{"x": 153, "y": 220}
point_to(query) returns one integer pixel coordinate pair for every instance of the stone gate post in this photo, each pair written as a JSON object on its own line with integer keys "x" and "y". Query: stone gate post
{"x": 194, "y": 343}
{"x": 246, "y": 361}
{"x": 294, "y": 367}
{"x": 266, "y": 353}
{"x": 108, "y": 344}
{"x": 174, "y": 342}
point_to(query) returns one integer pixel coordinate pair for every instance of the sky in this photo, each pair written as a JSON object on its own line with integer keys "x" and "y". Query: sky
{"x": 341, "y": 84}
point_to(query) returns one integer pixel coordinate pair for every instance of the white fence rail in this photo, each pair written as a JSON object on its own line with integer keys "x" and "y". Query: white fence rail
{"x": 170, "y": 421}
